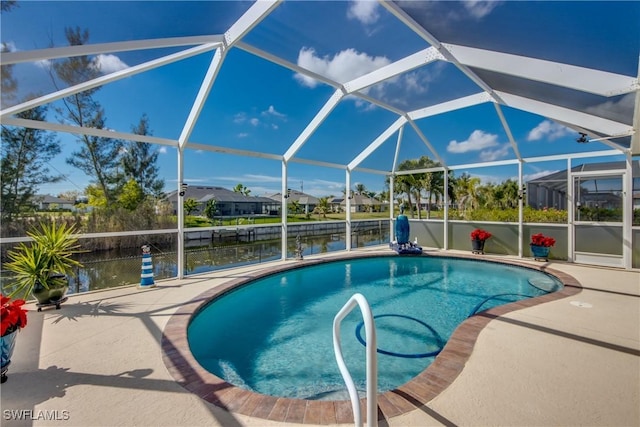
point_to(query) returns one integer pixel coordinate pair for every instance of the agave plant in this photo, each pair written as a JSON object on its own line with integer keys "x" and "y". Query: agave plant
{"x": 46, "y": 261}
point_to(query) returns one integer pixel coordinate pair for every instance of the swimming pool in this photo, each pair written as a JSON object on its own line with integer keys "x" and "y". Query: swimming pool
{"x": 274, "y": 336}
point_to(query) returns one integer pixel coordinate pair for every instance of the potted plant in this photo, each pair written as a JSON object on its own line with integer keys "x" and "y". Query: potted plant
{"x": 541, "y": 245}
{"x": 41, "y": 267}
{"x": 14, "y": 318}
{"x": 478, "y": 237}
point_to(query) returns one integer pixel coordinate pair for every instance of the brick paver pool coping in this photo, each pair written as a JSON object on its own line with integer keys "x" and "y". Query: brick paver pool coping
{"x": 413, "y": 395}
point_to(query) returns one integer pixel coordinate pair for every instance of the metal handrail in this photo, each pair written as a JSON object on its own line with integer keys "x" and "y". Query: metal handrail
{"x": 371, "y": 360}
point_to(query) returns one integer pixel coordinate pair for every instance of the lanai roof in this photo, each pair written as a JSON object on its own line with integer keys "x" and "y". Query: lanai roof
{"x": 495, "y": 59}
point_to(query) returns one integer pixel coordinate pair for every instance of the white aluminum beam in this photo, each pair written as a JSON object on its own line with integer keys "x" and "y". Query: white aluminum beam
{"x": 456, "y": 104}
{"x": 583, "y": 79}
{"x": 201, "y": 98}
{"x": 372, "y": 171}
{"x": 379, "y": 103}
{"x": 403, "y": 65}
{"x": 233, "y": 151}
{"x": 573, "y": 156}
{"x": 507, "y": 129}
{"x": 377, "y": 143}
{"x": 416, "y": 171}
{"x": 485, "y": 164}
{"x": 8, "y": 58}
{"x": 103, "y": 133}
{"x": 314, "y": 123}
{"x": 430, "y": 38}
{"x": 598, "y": 124}
{"x": 252, "y": 17}
{"x": 286, "y": 64}
{"x": 427, "y": 142}
{"x": 100, "y": 81}
{"x": 397, "y": 153}
{"x": 317, "y": 163}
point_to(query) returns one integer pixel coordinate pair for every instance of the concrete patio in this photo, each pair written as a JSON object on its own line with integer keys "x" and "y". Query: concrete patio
{"x": 98, "y": 362}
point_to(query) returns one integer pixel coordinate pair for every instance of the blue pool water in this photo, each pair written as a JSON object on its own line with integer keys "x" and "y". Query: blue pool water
{"x": 274, "y": 336}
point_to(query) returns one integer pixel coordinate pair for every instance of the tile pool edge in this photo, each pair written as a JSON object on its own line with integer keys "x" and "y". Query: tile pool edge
{"x": 187, "y": 372}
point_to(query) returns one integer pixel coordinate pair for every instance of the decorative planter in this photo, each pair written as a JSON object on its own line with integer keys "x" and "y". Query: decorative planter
{"x": 477, "y": 246}
{"x": 540, "y": 252}
{"x": 7, "y": 344}
{"x": 54, "y": 295}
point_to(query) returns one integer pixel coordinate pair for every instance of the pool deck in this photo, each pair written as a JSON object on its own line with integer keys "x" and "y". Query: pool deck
{"x": 99, "y": 361}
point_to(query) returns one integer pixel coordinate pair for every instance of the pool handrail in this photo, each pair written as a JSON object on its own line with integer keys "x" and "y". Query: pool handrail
{"x": 371, "y": 360}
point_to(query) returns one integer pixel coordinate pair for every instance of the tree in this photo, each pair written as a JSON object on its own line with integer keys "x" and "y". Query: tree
{"x": 294, "y": 206}
{"x": 190, "y": 205}
{"x": 210, "y": 209}
{"x": 131, "y": 195}
{"x": 25, "y": 156}
{"x": 9, "y": 84}
{"x": 361, "y": 189}
{"x": 241, "y": 189}
{"x": 322, "y": 207}
{"x": 466, "y": 190}
{"x": 99, "y": 157}
{"x": 139, "y": 162}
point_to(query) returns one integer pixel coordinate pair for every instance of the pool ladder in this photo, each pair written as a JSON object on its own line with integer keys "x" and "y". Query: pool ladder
{"x": 371, "y": 360}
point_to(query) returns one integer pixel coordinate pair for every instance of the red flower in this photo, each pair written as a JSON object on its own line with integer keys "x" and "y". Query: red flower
{"x": 13, "y": 315}
{"x": 542, "y": 240}
{"x": 480, "y": 234}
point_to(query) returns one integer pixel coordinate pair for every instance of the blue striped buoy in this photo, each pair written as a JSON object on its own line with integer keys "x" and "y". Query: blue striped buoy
{"x": 146, "y": 276}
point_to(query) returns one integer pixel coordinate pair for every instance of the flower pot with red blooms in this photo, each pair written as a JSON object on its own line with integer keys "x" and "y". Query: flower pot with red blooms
{"x": 14, "y": 318}
{"x": 540, "y": 246}
{"x": 478, "y": 239}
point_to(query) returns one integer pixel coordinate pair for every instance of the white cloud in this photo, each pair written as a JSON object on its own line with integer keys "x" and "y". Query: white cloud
{"x": 9, "y": 47}
{"x": 254, "y": 121}
{"x": 109, "y": 64}
{"x": 162, "y": 150}
{"x": 271, "y": 111}
{"x": 365, "y": 11}
{"x": 240, "y": 118}
{"x": 499, "y": 153}
{"x": 549, "y": 130}
{"x": 620, "y": 109}
{"x": 342, "y": 67}
{"x": 478, "y": 140}
{"x": 479, "y": 8}
{"x": 243, "y": 135}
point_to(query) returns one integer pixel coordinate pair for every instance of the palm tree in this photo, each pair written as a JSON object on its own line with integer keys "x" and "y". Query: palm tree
{"x": 361, "y": 189}
{"x": 322, "y": 207}
{"x": 241, "y": 189}
{"x": 294, "y": 206}
{"x": 466, "y": 190}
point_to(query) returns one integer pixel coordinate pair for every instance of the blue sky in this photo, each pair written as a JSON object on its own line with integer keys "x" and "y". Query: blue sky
{"x": 260, "y": 106}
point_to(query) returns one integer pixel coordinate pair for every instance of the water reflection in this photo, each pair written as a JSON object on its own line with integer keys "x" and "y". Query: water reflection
{"x": 106, "y": 270}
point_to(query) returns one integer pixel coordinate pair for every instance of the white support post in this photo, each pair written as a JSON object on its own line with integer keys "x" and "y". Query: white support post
{"x": 284, "y": 210}
{"x": 521, "y": 199}
{"x": 571, "y": 206}
{"x": 446, "y": 209}
{"x": 392, "y": 236}
{"x": 348, "y": 216}
{"x": 180, "y": 209}
{"x": 627, "y": 212}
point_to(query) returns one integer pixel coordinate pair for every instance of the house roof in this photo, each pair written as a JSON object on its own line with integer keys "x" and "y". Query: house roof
{"x": 298, "y": 196}
{"x": 205, "y": 193}
{"x": 48, "y": 199}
